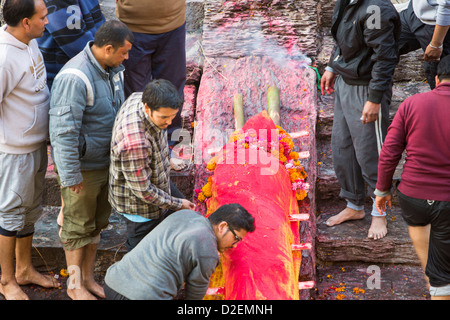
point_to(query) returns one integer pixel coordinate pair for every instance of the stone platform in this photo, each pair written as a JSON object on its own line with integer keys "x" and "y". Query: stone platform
{"x": 220, "y": 44}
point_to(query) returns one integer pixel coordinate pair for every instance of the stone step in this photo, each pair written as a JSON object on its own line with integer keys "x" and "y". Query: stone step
{"x": 48, "y": 253}
{"x": 365, "y": 281}
{"x": 348, "y": 242}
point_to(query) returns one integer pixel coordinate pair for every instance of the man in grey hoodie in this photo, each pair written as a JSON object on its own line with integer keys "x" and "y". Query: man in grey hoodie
{"x": 183, "y": 249}
{"x": 24, "y": 105}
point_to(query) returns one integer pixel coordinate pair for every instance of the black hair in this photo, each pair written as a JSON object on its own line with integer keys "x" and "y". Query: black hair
{"x": 113, "y": 33}
{"x": 161, "y": 93}
{"x": 443, "y": 69}
{"x": 14, "y": 11}
{"x": 235, "y": 215}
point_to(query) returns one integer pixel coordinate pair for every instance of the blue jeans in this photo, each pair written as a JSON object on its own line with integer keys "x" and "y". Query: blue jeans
{"x": 157, "y": 56}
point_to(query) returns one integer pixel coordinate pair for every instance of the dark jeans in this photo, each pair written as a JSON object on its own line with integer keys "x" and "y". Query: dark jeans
{"x": 111, "y": 294}
{"x": 415, "y": 35}
{"x": 136, "y": 231}
{"x": 157, "y": 56}
{"x": 418, "y": 212}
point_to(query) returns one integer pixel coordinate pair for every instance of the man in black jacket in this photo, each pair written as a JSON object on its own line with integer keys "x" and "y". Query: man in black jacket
{"x": 360, "y": 71}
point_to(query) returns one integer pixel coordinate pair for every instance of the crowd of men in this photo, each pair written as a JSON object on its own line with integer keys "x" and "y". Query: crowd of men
{"x": 108, "y": 94}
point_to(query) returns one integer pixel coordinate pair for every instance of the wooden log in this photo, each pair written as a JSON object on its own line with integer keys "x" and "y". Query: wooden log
{"x": 273, "y": 104}
{"x": 239, "y": 120}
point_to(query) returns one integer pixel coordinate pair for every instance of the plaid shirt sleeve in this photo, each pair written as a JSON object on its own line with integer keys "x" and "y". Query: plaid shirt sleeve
{"x": 137, "y": 172}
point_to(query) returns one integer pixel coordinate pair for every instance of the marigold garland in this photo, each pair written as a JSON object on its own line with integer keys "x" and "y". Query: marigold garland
{"x": 284, "y": 153}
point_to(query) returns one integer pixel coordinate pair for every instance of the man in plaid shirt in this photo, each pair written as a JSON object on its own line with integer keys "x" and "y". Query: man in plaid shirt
{"x": 140, "y": 187}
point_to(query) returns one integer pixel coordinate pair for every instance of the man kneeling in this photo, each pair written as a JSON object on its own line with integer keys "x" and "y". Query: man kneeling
{"x": 183, "y": 248}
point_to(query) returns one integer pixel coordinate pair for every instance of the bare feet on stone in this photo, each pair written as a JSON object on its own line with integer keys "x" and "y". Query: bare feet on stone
{"x": 95, "y": 288}
{"x": 378, "y": 228}
{"x": 345, "y": 215}
{"x": 80, "y": 293}
{"x": 31, "y": 276}
{"x": 12, "y": 291}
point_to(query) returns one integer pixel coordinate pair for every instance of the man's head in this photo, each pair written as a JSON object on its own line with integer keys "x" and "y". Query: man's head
{"x": 231, "y": 222}
{"x": 443, "y": 70}
{"x": 112, "y": 43}
{"x": 162, "y": 102}
{"x": 27, "y": 18}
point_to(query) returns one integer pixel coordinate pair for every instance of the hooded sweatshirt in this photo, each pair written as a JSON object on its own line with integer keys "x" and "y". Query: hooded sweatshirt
{"x": 24, "y": 96}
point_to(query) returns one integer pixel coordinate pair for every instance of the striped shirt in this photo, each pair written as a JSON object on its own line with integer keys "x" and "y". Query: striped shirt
{"x": 72, "y": 24}
{"x": 140, "y": 168}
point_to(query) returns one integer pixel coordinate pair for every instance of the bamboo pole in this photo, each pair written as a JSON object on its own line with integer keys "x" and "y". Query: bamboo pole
{"x": 238, "y": 111}
{"x": 273, "y": 104}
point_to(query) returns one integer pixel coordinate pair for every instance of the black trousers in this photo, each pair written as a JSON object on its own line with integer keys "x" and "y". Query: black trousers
{"x": 111, "y": 294}
{"x": 157, "y": 56}
{"x": 415, "y": 35}
{"x": 418, "y": 212}
{"x": 136, "y": 231}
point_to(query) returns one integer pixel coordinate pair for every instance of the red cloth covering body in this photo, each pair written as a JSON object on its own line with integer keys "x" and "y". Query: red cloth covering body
{"x": 263, "y": 265}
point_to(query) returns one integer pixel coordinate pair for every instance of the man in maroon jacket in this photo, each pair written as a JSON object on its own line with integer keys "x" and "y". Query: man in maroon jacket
{"x": 421, "y": 128}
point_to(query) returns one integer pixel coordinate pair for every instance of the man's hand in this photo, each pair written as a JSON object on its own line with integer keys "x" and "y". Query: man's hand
{"x": 433, "y": 51}
{"x": 370, "y": 112}
{"x": 432, "y": 54}
{"x": 187, "y": 204}
{"x": 177, "y": 164}
{"x": 77, "y": 188}
{"x": 380, "y": 203}
{"x": 327, "y": 82}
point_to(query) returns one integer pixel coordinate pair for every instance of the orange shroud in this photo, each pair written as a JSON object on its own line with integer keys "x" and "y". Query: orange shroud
{"x": 262, "y": 266}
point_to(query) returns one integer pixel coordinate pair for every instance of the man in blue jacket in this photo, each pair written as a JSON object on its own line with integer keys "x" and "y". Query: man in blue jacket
{"x": 86, "y": 95}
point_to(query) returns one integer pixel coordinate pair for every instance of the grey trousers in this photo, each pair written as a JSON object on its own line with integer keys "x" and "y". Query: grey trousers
{"x": 354, "y": 145}
{"x": 22, "y": 179}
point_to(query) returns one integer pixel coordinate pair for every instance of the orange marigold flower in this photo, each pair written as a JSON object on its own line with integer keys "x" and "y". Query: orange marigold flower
{"x": 207, "y": 189}
{"x": 201, "y": 197}
{"x": 293, "y": 155}
{"x": 340, "y": 296}
{"x": 357, "y": 290}
{"x": 211, "y": 165}
{"x": 302, "y": 173}
{"x": 301, "y": 194}
{"x": 280, "y": 129}
{"x": 64, "y": 273}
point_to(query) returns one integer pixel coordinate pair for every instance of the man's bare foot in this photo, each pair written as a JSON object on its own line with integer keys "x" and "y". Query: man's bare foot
{"x": 345, "y": 215}
{"x": 31, "y": 276}
{"x": 378, "y": 228}
{"x": 12, "y": 291}
{"x": 95, "y": 288}
{"x": 80, "y": 293}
